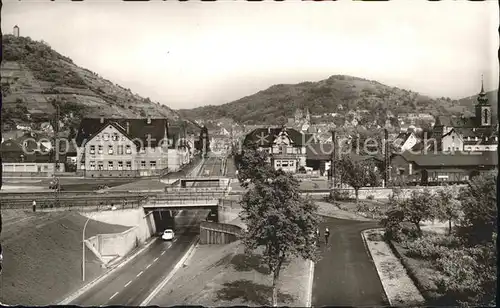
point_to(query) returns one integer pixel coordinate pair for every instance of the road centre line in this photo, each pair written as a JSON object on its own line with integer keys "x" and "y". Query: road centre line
{"x": 163, "y": 253}
{"x": 140, "y": 273}
{"x": 155, "y": 260}
{"x": 148, "y": 266}
{"x": 128, "y": 283}
{"x": 116, "y": 293}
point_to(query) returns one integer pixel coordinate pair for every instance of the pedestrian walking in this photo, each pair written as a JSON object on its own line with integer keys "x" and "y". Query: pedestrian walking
{"x": 317, "y": 236}
{"x": 34, "y": 206}
{"x": 327, "y": 235}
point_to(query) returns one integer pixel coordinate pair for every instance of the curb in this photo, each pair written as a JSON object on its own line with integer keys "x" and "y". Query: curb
{"x": 310, "y": 284}
{"x": 373, "y": 262}
{"x": 171, "y": 274}
{"x": 115, "y": 267}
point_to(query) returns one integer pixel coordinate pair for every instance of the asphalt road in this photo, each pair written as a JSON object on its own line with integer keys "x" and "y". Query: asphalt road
{"x": 132, "y": 283}
{"x": 346, "y": 275}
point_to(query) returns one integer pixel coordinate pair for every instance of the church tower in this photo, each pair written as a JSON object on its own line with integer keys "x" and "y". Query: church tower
{"x": 483, "y": 108}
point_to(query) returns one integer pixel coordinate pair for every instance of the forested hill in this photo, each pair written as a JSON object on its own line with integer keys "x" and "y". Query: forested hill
{"x": 36, "y": 78}
{"x": 326, "y": 96}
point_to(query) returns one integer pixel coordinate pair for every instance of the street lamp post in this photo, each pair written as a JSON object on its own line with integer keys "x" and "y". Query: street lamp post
{"x": 83, "y": 249}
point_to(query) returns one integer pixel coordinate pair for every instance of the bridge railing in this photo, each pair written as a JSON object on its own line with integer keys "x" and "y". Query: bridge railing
{"x": 195, "y": 190}
{"x": 167, "y": 201}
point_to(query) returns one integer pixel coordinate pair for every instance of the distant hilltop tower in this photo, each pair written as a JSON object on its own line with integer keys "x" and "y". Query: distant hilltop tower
{"x": 16, "y": 31}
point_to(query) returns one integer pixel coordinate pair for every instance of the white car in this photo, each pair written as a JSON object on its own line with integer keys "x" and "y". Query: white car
{"x": 168, "y": 235}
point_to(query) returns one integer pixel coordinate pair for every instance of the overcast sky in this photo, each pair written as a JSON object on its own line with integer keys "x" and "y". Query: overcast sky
{"x": 191, "y": 53}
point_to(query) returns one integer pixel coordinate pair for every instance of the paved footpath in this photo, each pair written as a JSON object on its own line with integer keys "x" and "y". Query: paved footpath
{"x": 346, "y": 275}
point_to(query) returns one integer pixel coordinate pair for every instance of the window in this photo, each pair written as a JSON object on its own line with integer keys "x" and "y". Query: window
{"x": 92, "y": 149}
{"x": 475, "y": 138}
{"x": 92, "y": 165}
{"x": 278, "y": 163}
{"x": 115, "y": 137}
{"x": 110, "y": 165}
{"x": 152, "y": 164}
{"x": 292, "y": 163}
{"x": 98, "y": 137}
{"x": 99, "y": 149}
{"x": 45, "y": 167}
{"x": 120, "y": 165}
{"x": 82, "y": 166}
{"x": 105, "y": 136}
{"x": 142, "y": 150}
{"x": 487, "y": 148}
{"x": 100, "y": 165}
{"x": 120, "y": 150}
{"x": 284, "y": 164}
{"x": 143, "y": 164}
{"x": 128, "y": 150}
{"x": 129, "y": 165}
{"x": 449, "y": 148}
{"x": 110, "y": 149}
{"x": 486, "y": 138}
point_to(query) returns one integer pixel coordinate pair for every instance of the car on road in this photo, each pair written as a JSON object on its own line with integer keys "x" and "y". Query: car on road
{"x": 168, "y": 235}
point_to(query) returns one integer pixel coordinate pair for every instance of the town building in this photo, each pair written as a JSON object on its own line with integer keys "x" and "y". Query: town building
{"x": 109, "y": 147}
{"x": 405, "y": 141}
{"x": 27, "y": 156}
{"x": 435, "y": 168}
{"x": 286, "y": 146}
{"x": 180, "y": 149}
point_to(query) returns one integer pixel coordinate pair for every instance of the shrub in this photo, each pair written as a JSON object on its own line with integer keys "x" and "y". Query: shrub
{"x": 370, "y": 197}
{"x": 425, "y": 248}
{"x": 393, "y": 224}
{"x": 469, "y": 275}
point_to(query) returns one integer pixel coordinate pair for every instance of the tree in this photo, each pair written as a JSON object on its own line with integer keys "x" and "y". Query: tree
{"x": 282, "y": 121}
{"x": 253, "y": 166}
{"x": 479, "y": 205}
{"x": 357, "y": 173}
{"x": 418, "y": 207}
{"x": 280, "y": 220}
{"x": 448, "y": 207}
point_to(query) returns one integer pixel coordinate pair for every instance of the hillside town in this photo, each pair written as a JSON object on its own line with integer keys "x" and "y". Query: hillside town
{"x": 339, "y": 192}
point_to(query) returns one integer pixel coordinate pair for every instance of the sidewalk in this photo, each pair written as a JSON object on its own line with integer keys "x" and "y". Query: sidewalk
{"x": 398, "y": 286}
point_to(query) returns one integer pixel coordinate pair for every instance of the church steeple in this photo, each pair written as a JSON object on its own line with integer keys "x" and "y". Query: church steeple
{"x": 483, "y": 109}
{"x": 482, "y": 99}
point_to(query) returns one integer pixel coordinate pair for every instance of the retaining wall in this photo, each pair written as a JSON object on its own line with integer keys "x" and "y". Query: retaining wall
{"x": 144, "y": 224}
{"x": 384, "y": 193}
{"x": 108, "y": 246}
{"x": 218, "y": 233}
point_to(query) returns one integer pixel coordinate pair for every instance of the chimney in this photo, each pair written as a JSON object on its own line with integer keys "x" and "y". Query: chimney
{"x": 149, "y": 120}
{"x": 102, "y": 120}
{"x": 128, "y": 127}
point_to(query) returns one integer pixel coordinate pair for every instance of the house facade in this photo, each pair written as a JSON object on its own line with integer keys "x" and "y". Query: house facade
{"x": 405, "y": 141}
{"x": 122, "y": 147}
{"x": 287, "y": 147}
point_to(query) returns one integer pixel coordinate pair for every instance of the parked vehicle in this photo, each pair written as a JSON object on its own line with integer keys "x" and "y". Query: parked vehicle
{"x": 168, "y": 235}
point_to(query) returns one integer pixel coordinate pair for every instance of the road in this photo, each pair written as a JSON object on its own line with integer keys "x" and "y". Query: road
{"x": 132, "y": 283}
{"x": 346, "y": 275}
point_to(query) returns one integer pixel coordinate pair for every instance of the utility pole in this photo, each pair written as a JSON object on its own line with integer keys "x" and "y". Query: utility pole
{"x": 386, "y": 157}
{"x": 56, "y": 156}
